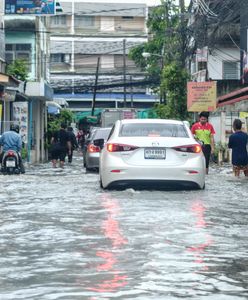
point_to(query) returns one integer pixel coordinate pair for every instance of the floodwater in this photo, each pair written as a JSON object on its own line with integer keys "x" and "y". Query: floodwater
{"x": 62, "y": 237}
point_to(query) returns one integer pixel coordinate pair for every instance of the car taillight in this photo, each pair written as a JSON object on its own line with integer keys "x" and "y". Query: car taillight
{"x": 189, "y": 148}
{"x": 93, "y": 149}
{"x": 11, "y": 153}
{"x": 120, "y": 147}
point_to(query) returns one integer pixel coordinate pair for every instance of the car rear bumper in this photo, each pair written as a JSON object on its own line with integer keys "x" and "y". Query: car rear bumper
{"x": 92, "y": 161}
{"x": 159, "y": 176}
{"x": 155, "y": 184}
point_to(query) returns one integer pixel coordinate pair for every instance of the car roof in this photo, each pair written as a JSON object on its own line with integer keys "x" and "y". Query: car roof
{"x": 150, "y": 121}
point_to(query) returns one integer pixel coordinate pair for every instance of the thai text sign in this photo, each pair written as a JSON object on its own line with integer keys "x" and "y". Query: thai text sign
{"x": 34, "y": 7}
{"x": 243, "y": 115}
{"x": 201, "y": 96}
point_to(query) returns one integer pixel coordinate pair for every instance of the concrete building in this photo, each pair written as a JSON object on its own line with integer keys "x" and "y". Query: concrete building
{"x": 84, "y": 32}
{"x": 219, "y": 49}
{"x": 26, "y": 38}
{"x": 8, "y": 84}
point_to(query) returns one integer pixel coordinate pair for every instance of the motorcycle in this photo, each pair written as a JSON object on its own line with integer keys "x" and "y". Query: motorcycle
{"x": 10, "y": 163}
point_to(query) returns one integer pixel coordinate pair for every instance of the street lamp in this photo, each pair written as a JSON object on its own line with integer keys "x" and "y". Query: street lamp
{"x": 147, "y": 55}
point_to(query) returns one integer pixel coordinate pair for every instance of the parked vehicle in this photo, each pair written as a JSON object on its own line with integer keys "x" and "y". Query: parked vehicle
{"x": 110, "y": 116}
{"x": 10, "y": 163}
{"x": 88, "y": 139}
{"x": 151, "y": 152}
{"x": 92, "y": 152}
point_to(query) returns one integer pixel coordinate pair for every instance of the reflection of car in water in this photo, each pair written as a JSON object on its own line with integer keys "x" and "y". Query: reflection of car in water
{"x": 149, "y": 152}
{"x": 91, "y": 152}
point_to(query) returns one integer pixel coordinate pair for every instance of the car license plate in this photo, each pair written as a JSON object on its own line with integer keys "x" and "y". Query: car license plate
{"x": 10, "y": 163}
{"x": 156, "y": 153}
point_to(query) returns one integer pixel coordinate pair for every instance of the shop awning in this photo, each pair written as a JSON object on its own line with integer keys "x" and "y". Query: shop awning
{"x": 236, "y": 100}
{"x": 8, "y": 80}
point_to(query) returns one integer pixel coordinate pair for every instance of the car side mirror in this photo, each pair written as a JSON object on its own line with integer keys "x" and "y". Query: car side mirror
{"x": 99, "y": 143}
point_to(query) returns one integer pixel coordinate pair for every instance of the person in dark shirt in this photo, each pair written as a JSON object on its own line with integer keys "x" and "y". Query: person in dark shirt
{"x": 238, "y": 143}
{"x": 60, "y": 143}
{"x": 74, "y": 143}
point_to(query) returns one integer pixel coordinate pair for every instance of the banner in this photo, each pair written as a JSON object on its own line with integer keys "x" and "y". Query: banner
{"x": 20, "y": 117}
{"x": 243, "y": 114}
{"x": 201, "y": 96}
{"x": 28, "y": 7}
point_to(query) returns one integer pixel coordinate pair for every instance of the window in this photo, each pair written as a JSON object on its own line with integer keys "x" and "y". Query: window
{"x": 58, "y": 20}
{"x": 18, "y": 51}
{"x": 9, "y": 47}
{"x": 202, "y": 65}
{"x": 230, "y": 70}
{"x": 57, "y": 58}
{"x": 164, "y": 130}
{"x": 60, "y": 58}
{"x": 128, "y": 18}
{"x": 84, "y": 21}
{"x": 9, "y": 57}
{"x": 23, "y": 47}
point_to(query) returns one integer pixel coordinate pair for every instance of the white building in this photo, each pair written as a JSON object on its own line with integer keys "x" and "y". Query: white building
{"x": 84, "y": 32}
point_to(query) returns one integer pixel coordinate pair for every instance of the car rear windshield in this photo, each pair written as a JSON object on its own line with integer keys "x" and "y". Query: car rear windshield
{"x": 101, "y": 134}
{"x": 156, "y": 130}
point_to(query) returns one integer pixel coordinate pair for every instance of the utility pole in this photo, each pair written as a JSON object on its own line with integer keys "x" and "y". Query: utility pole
{"x": 131, "y": 83}
{"x": 124, "y": 74}
{"x": 182, "y": 31}
{"x": 95, "y": 87}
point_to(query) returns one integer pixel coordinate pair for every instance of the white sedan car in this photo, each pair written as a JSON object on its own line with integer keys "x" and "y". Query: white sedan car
{"x": 152, "y": 152}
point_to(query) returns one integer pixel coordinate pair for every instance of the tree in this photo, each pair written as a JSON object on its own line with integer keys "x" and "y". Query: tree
{"x": 174, "y": 82}
{"x": 54, "y": 122}
{"x": 18, "y": 68}
{"x": 66, "y": 116}
{"x": 166, "y": 63}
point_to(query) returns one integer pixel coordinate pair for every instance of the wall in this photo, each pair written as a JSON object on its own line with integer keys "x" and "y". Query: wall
{"x": 216, "y": 58}
{"x": 136, "y": 24}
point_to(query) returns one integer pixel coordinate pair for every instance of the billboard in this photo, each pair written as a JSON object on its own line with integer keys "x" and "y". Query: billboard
{"x": 29, "y": 7}
{"x": 201, "y": 96}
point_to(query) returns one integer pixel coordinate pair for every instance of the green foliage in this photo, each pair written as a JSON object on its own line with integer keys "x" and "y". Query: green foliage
{"x": 54, "y": 122}
{"x": 165, "y": 66}
{"x": 24, "y": 153}
{"x": 174, "y": 84}
{"x": 66, "y": 116}
{"x": 18, "y": 68}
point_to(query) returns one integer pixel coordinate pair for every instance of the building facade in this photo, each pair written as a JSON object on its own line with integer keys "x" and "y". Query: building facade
{"x": 90, "y": 40}
{"x": 26, "y": 39}
{"x": 219, "y": 42}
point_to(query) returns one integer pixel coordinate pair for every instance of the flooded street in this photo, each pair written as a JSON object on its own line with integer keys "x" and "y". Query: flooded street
{"x": 62, "y": 237}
